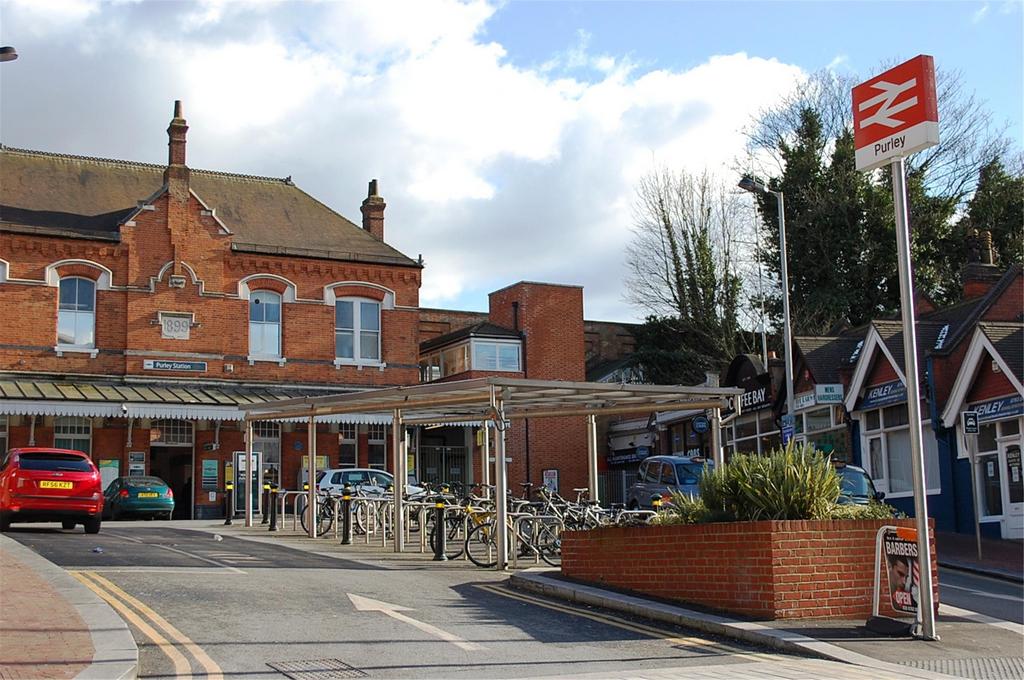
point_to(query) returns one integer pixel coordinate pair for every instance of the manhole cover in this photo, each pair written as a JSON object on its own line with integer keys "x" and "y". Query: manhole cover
{"x": 317, "y": 669}
{"x": 988, "y": 668}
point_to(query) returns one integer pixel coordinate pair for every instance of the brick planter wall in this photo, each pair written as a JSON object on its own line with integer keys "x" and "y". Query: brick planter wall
{"x": 768, "y": 570}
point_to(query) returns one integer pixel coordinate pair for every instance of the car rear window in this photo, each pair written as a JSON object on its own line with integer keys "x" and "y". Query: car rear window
{"x": 854, "y": 483}
{"x": 684, "y": 470}
{"x": 144, "y": 481}
{"x": 54, "y": 461}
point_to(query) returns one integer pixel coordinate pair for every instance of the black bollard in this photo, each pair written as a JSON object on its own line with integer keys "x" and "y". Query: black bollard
{"x": 229, "y": 508}
{"x": 346, "y": 515}
{"x": 266, "y": 501}
{"x": 440, "y": 532}
{"x": 273, "y": 507}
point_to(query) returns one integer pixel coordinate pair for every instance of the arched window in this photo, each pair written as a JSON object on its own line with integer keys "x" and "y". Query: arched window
{"x": 265, "y": 324}
{"x": 357, "y": 330}
{"x": 76, "y": 312}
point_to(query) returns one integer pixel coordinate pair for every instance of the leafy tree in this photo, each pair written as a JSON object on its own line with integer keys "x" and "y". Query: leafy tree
{"x": 998, "y": 205}
{"x": 683, "y": 271}
{"x": 840, "y": 223}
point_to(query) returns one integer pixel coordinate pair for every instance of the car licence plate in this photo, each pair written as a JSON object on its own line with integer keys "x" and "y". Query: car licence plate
{"x": 148, "y": 494}
{"x": 50, "y": 484}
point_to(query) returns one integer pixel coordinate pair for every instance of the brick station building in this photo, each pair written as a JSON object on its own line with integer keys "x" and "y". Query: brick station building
{"x": 144, "y": 305}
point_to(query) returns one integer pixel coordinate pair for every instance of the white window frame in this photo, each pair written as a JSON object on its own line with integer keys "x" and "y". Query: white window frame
{"x": 358, "y": 331}
{"x": 266, "y": 434}
{"x": 1001, "y": 441}
{"x": 348, "y": 436}
{"x": 173, "y": 432}
{"x": 475, "y": 344}
{"x": 377, "y": 435}
{"x": 73, "y": 429}
{"x": 89, "y": 348}
{"x": 265, "y": 297}
{"x": 881, "y": 478}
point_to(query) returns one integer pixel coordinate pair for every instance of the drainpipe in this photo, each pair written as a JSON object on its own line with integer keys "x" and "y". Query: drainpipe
{"x": 32, "y": 431}
{"x": 522, "y": 336}
{"x": 128, "y": 439}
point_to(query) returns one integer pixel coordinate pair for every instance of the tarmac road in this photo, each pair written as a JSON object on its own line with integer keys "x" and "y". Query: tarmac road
{"x": 990, "y": 596}
{"x": 239, "y": 608}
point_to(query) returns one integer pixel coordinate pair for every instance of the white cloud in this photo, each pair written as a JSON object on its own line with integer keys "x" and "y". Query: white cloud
{"x": 494, "y": 172}
{"x": 980, "y": 13}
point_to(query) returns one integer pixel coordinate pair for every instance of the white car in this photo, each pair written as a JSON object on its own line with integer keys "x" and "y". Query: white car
{"x": 369, "y": 481}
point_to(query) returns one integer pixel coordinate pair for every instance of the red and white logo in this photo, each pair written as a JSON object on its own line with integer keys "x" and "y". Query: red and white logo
{"x": 895, "y": 113}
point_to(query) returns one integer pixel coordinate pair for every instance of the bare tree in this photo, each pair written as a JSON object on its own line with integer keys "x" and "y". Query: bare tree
{"x": 682, "y": 259}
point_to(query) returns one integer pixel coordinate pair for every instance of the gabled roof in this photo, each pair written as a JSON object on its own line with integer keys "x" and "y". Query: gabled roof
{"x": 991, "y": 339}
{"x": 963, "y": 315}
{"x": 1008, "y": 340}
{"x": 484, "y": 329}
{"x": 79, "y": 195}
{"x": 824, "y": 356}
{"x": 891, "y": 333}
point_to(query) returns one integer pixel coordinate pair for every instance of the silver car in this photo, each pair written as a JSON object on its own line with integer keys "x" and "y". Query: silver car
{"x": 659, "y": 475}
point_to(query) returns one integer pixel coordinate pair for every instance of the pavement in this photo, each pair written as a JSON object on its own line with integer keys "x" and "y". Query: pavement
{"x": 999, "y": 558}
{"x": 54, "y": 627}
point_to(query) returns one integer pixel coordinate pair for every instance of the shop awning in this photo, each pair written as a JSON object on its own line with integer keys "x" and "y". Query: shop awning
{"x": 152, "y": 399}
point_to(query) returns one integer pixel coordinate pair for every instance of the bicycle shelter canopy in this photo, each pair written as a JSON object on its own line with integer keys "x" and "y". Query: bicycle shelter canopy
{"x": 492, "y": 402}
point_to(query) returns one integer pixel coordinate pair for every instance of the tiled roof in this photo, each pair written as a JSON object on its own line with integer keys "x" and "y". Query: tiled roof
{"x": 484, "y": 329}
{"x": 892, "y": 335}
{"x": 963, "y": 316}
{"x": 46, "y": 191}
{"x": 1008, "y": 339}
{"x": 824, "y": 356}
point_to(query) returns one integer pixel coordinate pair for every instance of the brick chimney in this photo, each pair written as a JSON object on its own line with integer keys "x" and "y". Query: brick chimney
{"x": 373, "y": 211}
{"x": 981, "y": 272}
{"x": 176, "y": 174}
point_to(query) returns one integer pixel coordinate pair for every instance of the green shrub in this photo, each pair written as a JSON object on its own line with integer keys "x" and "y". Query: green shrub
{"x": 873, "y": 510}
{"x": 683, "y": 509}
{"x": 790, "y": 483}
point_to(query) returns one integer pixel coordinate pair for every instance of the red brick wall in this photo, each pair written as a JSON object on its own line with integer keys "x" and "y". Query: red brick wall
{"x": 1009, "y": 305}
{"x": 768, "y": 570}
{"x": 551, "y": 320}
{"x": 988, "y": 385}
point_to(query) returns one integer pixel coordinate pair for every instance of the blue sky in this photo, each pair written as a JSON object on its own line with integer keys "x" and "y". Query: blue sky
{"x": 508, "y": 137}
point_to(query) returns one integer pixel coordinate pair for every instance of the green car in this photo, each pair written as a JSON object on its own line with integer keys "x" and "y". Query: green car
{"x": 148, "y": 497}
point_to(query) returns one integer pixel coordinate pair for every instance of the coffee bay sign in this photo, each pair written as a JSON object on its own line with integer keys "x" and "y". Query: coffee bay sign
{"x": 895, "y": 113}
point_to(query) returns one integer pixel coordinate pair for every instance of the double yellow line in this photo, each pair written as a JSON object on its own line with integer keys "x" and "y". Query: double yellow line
{"x": 141, "y": 616}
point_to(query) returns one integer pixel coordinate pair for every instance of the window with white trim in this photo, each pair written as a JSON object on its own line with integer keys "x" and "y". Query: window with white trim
{"x": 357, "y": 330}
{"x": 168, "y": 432}
{"x": 377, "y": 450}
{"x": 490, "y": 355}
{"x": 76, "y": 313}
{"x": 347, "y": 445}
{"x": 265, "y": 324}
{"x": 995, "y": 441}
{"x": 72, "y": 432}
{"x": 266, "y": 438}
{"x": 886, "y": 445}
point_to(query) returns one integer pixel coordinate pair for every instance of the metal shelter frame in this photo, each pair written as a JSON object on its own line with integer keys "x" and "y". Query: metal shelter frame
{"x": 491, "y": 402}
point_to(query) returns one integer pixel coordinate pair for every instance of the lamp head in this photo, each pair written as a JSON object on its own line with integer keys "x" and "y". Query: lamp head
{"x": 752, "y": 184}
{"x": 8, "y": 53}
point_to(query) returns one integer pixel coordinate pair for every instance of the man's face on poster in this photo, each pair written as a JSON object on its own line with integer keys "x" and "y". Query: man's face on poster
{"x": 898, "y": 571}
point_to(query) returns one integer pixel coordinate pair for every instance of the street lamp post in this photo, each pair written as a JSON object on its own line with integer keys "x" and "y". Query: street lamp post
{"x": 754, "y": 186}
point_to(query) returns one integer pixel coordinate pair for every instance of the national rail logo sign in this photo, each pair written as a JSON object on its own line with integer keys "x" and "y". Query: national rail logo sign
{"x": 895, "y": 113}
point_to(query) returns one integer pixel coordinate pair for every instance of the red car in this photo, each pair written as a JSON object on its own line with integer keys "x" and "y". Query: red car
{"x": 50, "y": 485}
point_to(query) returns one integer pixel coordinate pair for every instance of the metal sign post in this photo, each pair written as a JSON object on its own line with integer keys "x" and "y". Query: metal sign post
{"x": 895, "y": 114}
{"x": 971, "y": 428}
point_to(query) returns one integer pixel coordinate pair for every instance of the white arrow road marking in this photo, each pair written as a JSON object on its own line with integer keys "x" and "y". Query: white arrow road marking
{"x": 365, "y": 604}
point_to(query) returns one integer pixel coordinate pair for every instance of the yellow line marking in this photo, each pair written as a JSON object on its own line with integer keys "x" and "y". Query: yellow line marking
{"x": 182, "y": 668}
{"x": 213, "y": 671}
{"x": 650, "y": 631}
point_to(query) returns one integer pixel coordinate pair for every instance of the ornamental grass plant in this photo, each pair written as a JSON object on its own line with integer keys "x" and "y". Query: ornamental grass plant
{"x": 791, "y": 483}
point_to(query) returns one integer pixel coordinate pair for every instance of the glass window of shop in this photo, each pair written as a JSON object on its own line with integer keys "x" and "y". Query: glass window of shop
{"x": 998, "y": 461}
{"x": 885, "y": 438}
{"x": 752, "y": 433}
